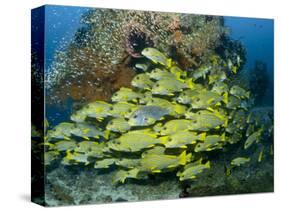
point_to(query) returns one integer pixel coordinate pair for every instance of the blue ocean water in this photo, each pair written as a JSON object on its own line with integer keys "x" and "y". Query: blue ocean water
{"x": 62, "y": 22}
{"x": 257, "y": 35}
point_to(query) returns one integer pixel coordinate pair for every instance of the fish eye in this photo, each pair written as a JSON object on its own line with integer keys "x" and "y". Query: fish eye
{"x": 145, "y": 119}
{"x": 135, "y": 116}
{"x": 164, "y": 128}
{"x": 137, "y": 77}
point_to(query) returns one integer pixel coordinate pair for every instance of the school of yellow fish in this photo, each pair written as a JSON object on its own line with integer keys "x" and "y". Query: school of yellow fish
{"x": 168, "y": 122}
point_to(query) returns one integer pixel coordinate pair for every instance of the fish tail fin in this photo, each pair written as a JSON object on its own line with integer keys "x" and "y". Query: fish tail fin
{"x": 182, "y": 158}
{"x": 228, "y": 171}
{"x": 178, "y": 174}
{"x": 234, "y": 69}
{"x": 203, "y": 136}
{"x": 106, "y": 134}
{"x": 189, "y": 157}
{"x": 178, "y": 76}
{"x": 164, "y": 140}
{"x": 225, "y": 122}
{"x": 68, "y": 155}
{"x": 169, "y": 63}
{"x": 208, "y": 165}
{"x": 190, "y": 83}
{"x": 225, "y": 98}
{"x": 223, "y": 137}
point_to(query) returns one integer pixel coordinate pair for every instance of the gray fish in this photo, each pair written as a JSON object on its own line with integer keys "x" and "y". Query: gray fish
{"x": 201, "y": 72}
{"x": 239, "y": 92}
{"x": 147, "y": 115}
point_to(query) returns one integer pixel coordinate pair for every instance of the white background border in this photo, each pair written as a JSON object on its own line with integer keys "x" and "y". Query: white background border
{"x": 15, "y": 104}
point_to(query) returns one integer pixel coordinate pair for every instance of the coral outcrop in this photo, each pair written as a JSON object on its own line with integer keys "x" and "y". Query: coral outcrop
{"x": 110, "y": 42}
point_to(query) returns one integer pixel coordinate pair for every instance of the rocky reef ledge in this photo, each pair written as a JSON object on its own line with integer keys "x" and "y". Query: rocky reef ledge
{"x": 72, "y": 186}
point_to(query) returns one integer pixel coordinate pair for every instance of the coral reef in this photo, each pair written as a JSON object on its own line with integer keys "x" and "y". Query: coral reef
{"x": 110, "y": 42}
{"x": 69, "y": 185}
